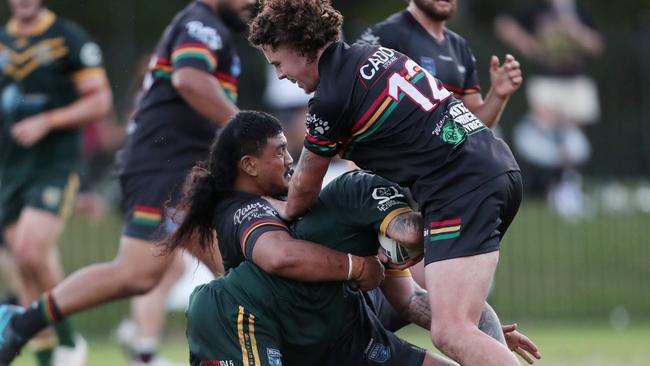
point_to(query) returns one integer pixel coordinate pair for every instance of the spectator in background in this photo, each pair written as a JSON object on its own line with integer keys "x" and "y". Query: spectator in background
{"x": 555, "y": 36}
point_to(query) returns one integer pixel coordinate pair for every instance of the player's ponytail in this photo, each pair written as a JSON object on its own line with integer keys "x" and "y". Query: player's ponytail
{"x": 209, "y": 182}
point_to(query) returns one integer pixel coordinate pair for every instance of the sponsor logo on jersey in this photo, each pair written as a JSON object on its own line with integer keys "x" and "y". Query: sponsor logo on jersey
{"x": 428, "y": 64}
{"x": 452, "y": 132}
{"x": 217, "y": 363}
{"x": 90, "y": 54}
{"x": 386, "y": 197}
{"x": 316, "y": 126}
{"x": 205, "y": 34}
{"x": 370, "y": 38}
{"x": 235, "y": 68}
{"x": 51, "y": 197}
{"x": 377, "y": 352}
{"x": 275, "y": 357}
{"x": 253, "y": 211}
{"x": 381, "y": 59}
{"x": 467, "y": 119}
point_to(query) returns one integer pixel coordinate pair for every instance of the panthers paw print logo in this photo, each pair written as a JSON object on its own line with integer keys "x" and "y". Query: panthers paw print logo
{"x": 316, "y": 126}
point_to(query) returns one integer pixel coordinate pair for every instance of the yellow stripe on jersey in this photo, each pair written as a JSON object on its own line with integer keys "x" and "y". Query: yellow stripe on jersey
{"x": 69, "y": 195}
{"x": 384, "y": 224}
{"x": 251, "y": 332}
{"x": 445, "y": 230}
{"x": 395, "y": 273}
{"x": 240, "y": 334}
{"x": 89, "y": 73}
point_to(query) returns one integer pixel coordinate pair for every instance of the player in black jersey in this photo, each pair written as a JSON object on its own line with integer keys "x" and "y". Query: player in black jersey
{"x": 382, "y": 110}
{"x": 190, "y": 91}
{"x": 420, "y": 33}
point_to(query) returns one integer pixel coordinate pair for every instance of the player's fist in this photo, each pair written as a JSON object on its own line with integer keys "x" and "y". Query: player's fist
{"x": 30, "y": 130}
{"x": 367, "y": 272}
{"x": 506, "y": 78}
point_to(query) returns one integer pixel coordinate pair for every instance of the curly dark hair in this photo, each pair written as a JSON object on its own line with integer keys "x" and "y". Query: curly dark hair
{"x": 302, "y": 25}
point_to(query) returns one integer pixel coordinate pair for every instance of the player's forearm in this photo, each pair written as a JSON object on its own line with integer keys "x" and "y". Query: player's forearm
{"x": 304, "y": 261}
{"x": 204, "y": 94}
{"x": 489, "y": 112}
{"x": 90, "y": 107}
{"x": 305, "y": 183}
{"x": 211, "y": 257}
{"x": 406, "y": 229}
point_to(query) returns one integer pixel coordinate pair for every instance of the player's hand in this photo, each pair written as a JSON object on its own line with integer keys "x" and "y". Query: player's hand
{"x": 279, "y": 205}
{"x": 506, "y": 78}
{"x": 371, "y": 273}
{"x": 520, "y": 344}
{"x": 409, "y": 263}
{"x": 30, "y": 130}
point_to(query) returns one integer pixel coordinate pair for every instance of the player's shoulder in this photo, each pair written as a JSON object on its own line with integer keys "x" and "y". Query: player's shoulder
{"x": 201, "y": 24}
{"x": 241, "y": 208}
{"x": 388, "y": 31}
{"x": 454, "y": 38}
{"x": 356, "y": 182}
{"x": 68, "y": 28}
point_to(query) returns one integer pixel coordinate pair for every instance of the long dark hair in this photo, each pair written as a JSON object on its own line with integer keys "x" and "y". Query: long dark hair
{"x": 209, "y": 182}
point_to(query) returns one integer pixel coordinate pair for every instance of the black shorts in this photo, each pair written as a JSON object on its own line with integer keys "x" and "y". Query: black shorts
{"x": 385, "y": 312}
{"x": 148, "y": 200}
{"x": 366, "y": 342}
{"x": 473, "y": 223}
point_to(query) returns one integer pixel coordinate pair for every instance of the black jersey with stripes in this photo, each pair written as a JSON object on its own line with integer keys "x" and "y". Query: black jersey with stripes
{"x": 386, "y": 113}
{"x": 166, "y": 133}
{"x": 241, "y": 219}
{"x": 450, "y": 60}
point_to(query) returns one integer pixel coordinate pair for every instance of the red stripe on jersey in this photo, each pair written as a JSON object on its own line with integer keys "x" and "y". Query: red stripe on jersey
{"x": 226, "y": 77}
{"x": 445, "y": 223}
{"x": 146, "y": 209}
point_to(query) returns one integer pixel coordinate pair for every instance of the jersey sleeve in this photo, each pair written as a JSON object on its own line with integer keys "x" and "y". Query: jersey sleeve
{"x": 326, "y": 131}
{"x": 471, "y": 84}
{"x": 196, "y": 45}
{"x": 253, "y": 220}
{"x": 372, "y": 200}
{"x": 85, "y": 56}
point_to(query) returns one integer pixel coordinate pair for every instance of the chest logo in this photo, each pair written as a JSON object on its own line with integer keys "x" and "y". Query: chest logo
{"x": 21, "y": 63}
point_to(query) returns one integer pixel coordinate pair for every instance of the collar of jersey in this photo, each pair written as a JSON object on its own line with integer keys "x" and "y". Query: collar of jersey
{"x": 43, "y": 24}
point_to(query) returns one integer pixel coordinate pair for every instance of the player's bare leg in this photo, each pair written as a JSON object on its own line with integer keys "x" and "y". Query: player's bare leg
{"x": 457, "y": 290}
{"x": 137, "y": 269}
{"x": 148, "y": 314}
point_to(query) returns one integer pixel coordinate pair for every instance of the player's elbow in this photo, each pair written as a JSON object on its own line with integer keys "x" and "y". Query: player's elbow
{"x": 104, "y": 101}
{"x": 279, "y": 264}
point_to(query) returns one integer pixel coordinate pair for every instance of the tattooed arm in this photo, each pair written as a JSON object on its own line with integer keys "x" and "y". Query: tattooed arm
{"x": 412, "y": 303}
{"x": 406, "y": 229}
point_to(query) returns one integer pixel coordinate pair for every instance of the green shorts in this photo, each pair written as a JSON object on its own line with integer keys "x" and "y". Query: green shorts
{"x": 224, "y": 332}
{"x": 51, "y": 191}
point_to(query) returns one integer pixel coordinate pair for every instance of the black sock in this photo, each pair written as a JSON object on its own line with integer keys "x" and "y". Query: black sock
{"x": 41, "y": 314}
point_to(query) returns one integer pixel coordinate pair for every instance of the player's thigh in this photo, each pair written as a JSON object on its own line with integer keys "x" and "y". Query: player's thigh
{"x": 223, "y": 331}
{"x": 458, "y": 287}
{"x": 37, "y": 230}
{"x": 368, "y": 342}
{"x": 143, "y": 259}
{"x": 417, "y": 271}
{"x": 147, "y": 201}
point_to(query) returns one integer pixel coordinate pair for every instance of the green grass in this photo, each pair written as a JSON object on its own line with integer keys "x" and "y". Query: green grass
{"x": 560, "y": 344}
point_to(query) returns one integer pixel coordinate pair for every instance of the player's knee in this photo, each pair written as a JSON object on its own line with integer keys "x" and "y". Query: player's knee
{"x": 446, "y": 335}
{"x": 30, "y": 260}
{"x": 137, "y": 280}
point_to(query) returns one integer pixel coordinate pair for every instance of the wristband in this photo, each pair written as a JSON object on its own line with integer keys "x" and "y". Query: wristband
{"x": 349, "y": 266}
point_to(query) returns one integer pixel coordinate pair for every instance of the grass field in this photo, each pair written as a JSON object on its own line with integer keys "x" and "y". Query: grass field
{"x": 561, "y": 345}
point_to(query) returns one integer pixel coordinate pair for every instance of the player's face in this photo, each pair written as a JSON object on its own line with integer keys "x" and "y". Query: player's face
{"x": 274, "y": 166}
{"x": 25, "y": 10}
{"x": 437, "y": 9}
{"x": 291, "y": 65}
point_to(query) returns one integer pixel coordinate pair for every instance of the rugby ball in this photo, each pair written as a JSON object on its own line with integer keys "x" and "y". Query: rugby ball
{"x": 397, "y": 254}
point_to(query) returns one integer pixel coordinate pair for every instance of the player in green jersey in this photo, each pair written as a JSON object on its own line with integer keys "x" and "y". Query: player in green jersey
{"x": 52, "y": 82}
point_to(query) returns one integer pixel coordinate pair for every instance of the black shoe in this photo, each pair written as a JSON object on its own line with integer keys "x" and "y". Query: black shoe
{"x": 10, "y": 341}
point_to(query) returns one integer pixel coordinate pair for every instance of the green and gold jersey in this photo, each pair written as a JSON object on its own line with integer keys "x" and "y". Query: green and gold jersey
{"x": 38, "y": 73}
{"x": 350, "y": 211}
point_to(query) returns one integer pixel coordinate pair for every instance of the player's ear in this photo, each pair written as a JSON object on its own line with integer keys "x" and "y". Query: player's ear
{"x": 248, "y": 164}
